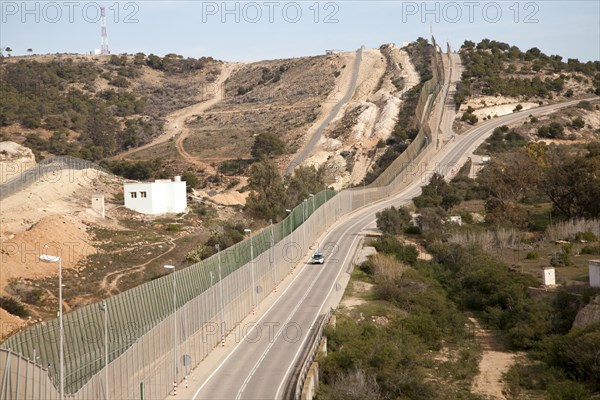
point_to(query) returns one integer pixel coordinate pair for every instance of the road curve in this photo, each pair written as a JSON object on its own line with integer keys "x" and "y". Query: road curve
{"x": 259, "y": 365}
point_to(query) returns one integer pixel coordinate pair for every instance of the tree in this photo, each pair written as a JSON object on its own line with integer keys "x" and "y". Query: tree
{"x": 30, "y": 50}
{"x": 267, "y": 144}
{"x": 392, "y": 221}
{"x": 430, "y": 220}
{"x": 267, "y": 191}
{"x": 8, "y": 50}
{"x": 438, "y": 193}
{"x": 510, "y": 178}
{"x": 507, "y": 181}
{"x": 304, "y": 181}
{"x": 573, "y": 184}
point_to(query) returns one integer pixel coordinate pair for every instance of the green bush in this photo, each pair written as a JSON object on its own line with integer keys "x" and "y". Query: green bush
{"x": 591, "y": 249}
{"x": 532, "y": 255}
{"x": 13, "y": 306}
{"x": 266, "y": 145}
{"x": 392, "y": 221}
{"x": 173, "y": 228}
{"x": 390, "y": 245}
{"x": 567, "y": 390}
{"x": 412, "y": 230}
{"x": 587, "y": 236}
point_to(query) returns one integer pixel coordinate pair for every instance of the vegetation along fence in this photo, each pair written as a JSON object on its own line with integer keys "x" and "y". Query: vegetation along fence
{"x": 212, "y": 298}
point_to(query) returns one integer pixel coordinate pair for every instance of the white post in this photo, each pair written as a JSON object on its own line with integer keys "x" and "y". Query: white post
{"x": 271, "y": 257}
{"x": 62, "y": 331}
{"x": 303, "y": 225}
{"x": 174, "y": 329}
{"x": 58, "y": 259}
{"x": 252, "y": 269}
{"x": 289, "y": 212}
{"x": 104, "y": 308}
{"x": 221, "y": 291}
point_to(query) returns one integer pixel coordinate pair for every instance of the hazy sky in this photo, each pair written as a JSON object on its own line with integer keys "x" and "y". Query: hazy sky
{"x": 256, "y": 30}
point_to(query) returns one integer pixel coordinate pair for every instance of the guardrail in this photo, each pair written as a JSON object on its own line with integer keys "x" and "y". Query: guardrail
{"x": 294, "y": 386}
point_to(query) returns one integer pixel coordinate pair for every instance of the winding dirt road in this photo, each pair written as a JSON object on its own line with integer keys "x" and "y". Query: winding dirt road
{"x": 175, "y": 125}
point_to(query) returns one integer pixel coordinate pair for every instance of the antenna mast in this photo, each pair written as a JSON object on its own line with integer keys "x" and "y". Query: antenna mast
{"x": 103, "y": 35}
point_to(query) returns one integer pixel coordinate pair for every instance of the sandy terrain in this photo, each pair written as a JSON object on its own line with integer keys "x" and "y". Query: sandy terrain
{"x": 176, "y": 121}
{"x": 493, "y": 365}
{"x": 378, "y": 112}
{"x": 227, "y": 198}
{"x": 65, "y": 192}
{"x": 491, "y": 106}
{"x": 14, "y": 159}
{"x": 50, "y": 216}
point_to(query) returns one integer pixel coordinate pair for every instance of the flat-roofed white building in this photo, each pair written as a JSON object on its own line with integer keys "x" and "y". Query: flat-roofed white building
{"x": 158, "y": 197}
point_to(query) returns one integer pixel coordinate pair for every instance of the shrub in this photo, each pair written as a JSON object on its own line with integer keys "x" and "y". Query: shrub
{"x": 266, "y": 145}
{"x": 591, "y": 249}
{"x": 532, "y": 255}
{"x": 390, "y": 245}
{"x": 412, "y": 230}
{"x": 586, "y": 105}
{"x": 587, "y": 236}
{"x": 392, "y": 221}
{"x": 13, "y": 306}
{"x": 173, "y": 228}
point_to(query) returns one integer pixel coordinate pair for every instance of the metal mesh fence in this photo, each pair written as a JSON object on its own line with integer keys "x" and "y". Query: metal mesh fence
{"x": 50, "y": 169}
{"x": 212, "y": 298}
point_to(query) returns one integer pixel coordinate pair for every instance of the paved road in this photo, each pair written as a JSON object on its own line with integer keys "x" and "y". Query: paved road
{"x": 305, "y": 151}
{"x": 259, "y": 367}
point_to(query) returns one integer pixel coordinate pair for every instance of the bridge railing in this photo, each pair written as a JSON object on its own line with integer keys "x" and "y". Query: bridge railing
{"x": 212, "y": 298}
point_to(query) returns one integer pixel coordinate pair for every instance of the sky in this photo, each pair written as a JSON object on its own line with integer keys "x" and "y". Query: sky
{"x": 272, "y": 29}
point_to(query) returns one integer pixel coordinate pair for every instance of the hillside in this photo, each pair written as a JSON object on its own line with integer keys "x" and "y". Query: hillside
{"x": 93, "y": 107}
{"x": 499, "y": 79}
{"x": 230, "y": 130}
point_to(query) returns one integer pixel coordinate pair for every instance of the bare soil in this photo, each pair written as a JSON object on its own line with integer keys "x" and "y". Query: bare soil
{"x": 494, "y": 363}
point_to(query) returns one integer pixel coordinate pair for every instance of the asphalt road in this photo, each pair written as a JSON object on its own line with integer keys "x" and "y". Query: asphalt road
{"x": 259, "y": 365}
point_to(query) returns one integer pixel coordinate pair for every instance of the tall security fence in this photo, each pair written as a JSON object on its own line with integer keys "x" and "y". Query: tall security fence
{"x": 148, "y": 345}
{"x": 51, "y": 169}
{"x": 427, "y": 98}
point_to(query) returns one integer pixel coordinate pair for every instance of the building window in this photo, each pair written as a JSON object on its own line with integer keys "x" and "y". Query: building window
{"x": 143, "y": 195}
{"x": 133, "y": 195}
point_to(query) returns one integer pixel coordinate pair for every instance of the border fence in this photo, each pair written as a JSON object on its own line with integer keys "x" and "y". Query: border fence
{"x": 48, "y": 169}
{"x": 212, "y": 298}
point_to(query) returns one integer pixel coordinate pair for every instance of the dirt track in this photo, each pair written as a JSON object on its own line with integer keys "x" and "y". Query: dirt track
{"x": 494, "y": 363}
{"x": 176, "y": 121}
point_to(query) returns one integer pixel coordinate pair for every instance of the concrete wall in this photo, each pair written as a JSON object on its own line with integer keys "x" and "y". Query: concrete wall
{"x": 162, "y": 196}
{"x": 311, "y": 384}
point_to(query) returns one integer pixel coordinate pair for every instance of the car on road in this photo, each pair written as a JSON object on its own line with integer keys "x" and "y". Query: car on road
{"x": 317, "y": 258}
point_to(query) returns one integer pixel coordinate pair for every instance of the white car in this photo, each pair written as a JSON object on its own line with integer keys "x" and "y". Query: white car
{"x": 317, "y": 258}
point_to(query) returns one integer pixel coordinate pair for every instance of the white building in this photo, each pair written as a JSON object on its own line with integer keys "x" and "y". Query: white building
{"x": 158, "y": 197}
{"x": 456, "y": 219}
{"x": 594, "y": 266}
